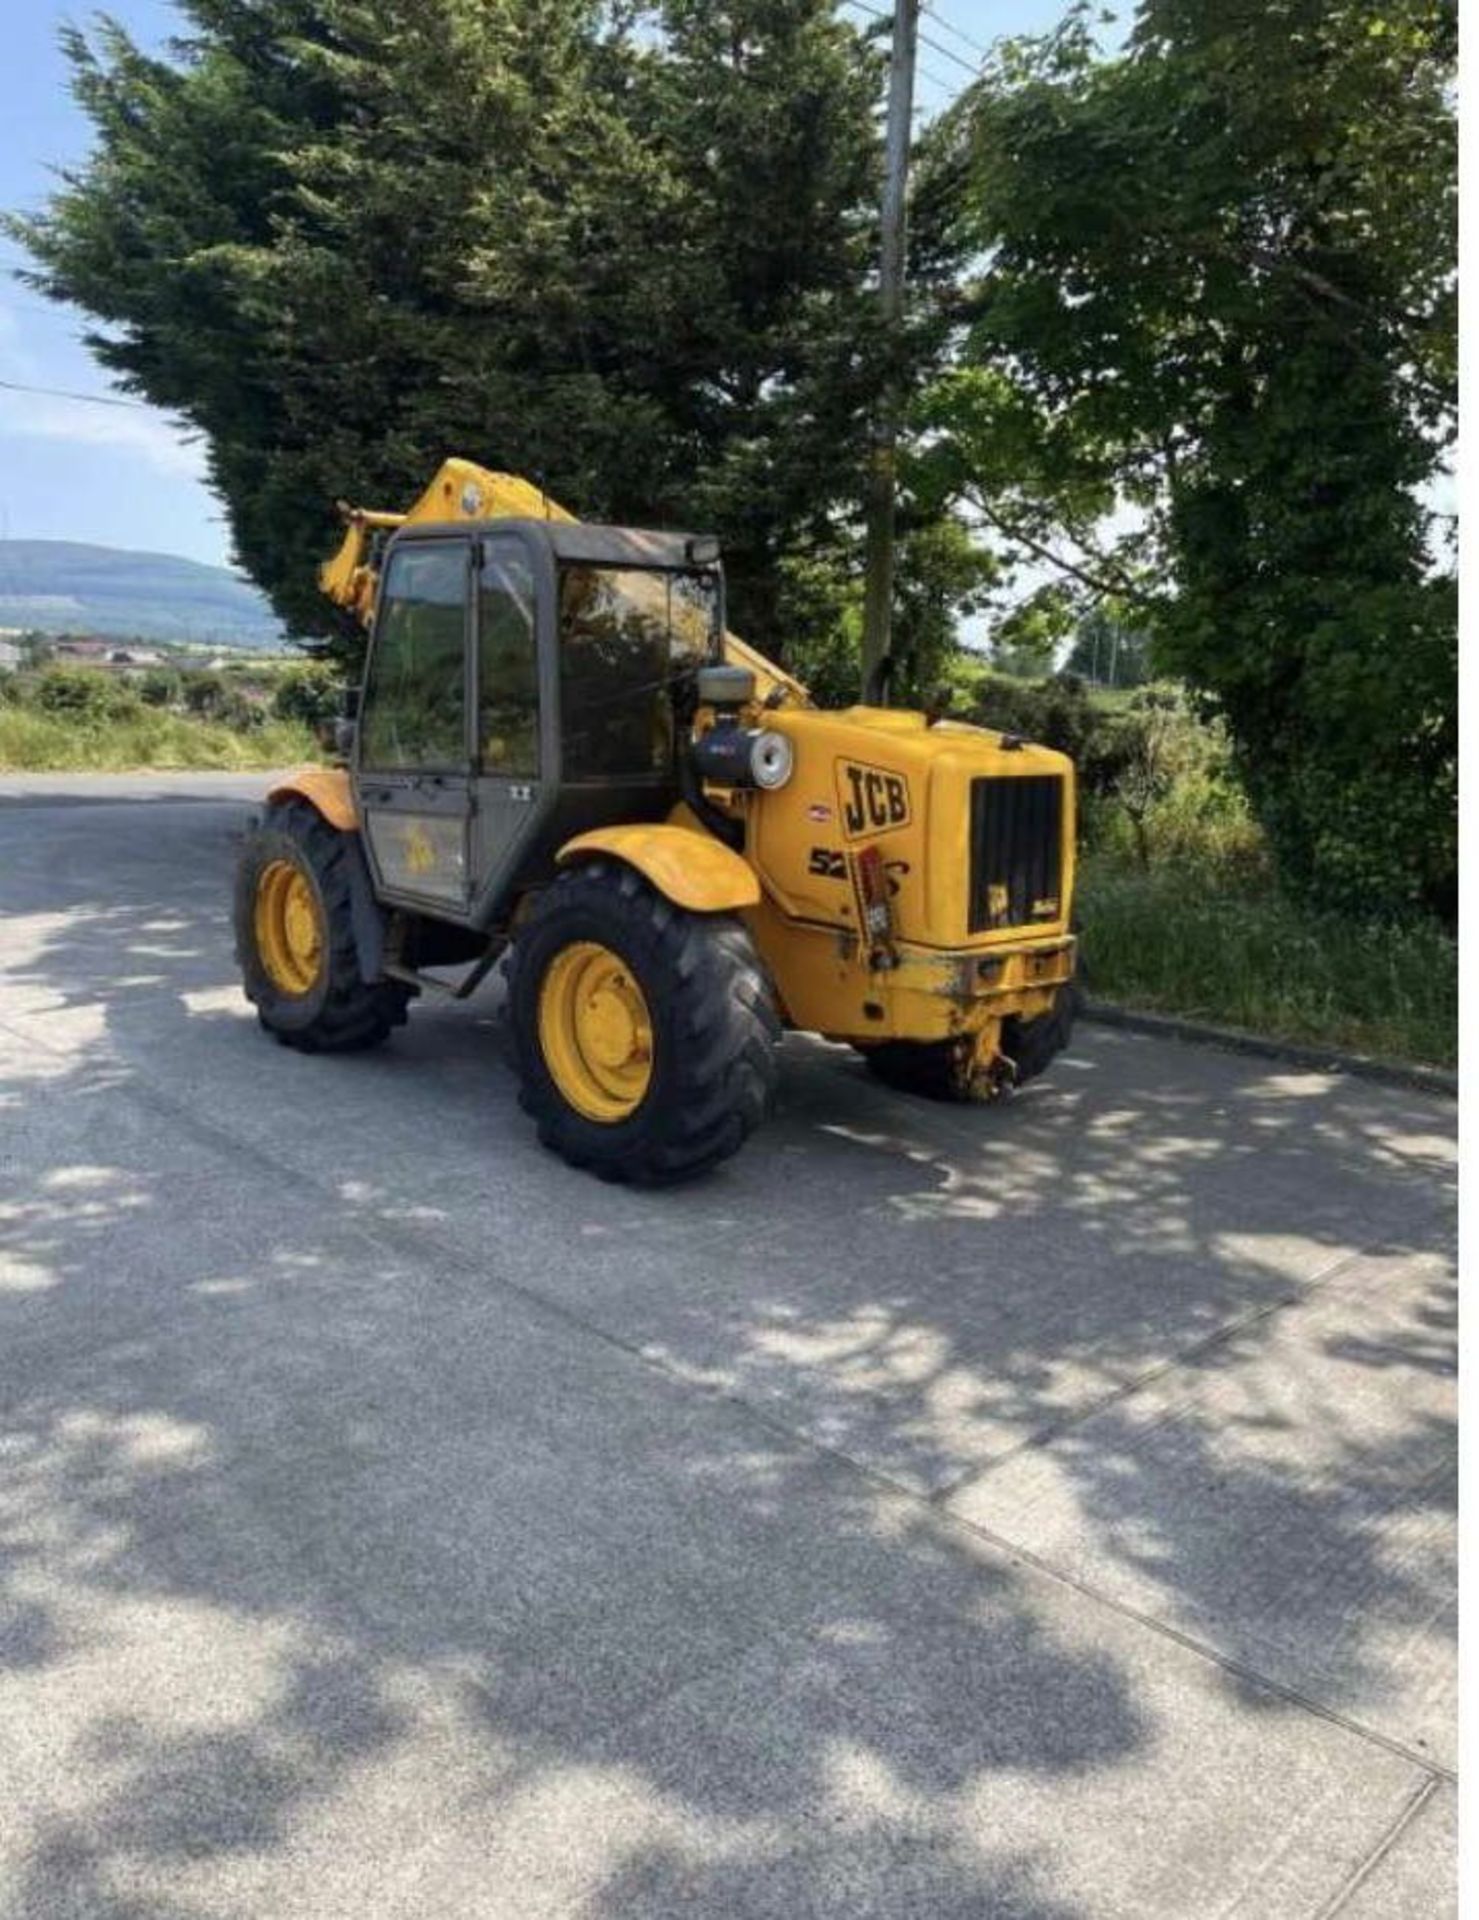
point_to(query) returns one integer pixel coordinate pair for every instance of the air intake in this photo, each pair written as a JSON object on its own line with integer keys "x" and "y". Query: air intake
{"x": 1016, "y": 851}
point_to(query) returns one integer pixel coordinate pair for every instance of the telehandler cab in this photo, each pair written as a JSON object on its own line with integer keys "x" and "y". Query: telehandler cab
{"x": 559, "y": 754}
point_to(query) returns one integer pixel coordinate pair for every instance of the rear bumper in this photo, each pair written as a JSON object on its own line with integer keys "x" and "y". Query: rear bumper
{"x": 999, "y": 976}
{"x": 933, "y": 994}
{"x": 828, "y": 984}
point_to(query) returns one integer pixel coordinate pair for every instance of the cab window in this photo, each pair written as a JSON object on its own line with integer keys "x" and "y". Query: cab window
{"x": 508, "y": 663}
{"x": 415, "y": 699}
{"x": 625, "y": 633}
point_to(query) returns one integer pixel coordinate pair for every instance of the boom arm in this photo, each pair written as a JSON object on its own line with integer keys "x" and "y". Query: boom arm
{"x": 462, "y": 490}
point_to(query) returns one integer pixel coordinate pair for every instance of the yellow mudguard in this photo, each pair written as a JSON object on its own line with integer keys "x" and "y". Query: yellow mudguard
{"x": 692, "y": 869}
{"x": 326, "y": 788}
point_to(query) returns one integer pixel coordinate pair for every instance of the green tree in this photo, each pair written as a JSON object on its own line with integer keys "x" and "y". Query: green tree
{"x": 1213, "y": 350}
{"x": 1025, "y": 640}
{"x": 626, "y": 250}
{"x": 943, "y": 574}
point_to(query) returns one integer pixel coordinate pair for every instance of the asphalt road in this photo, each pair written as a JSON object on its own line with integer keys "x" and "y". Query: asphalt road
{"x": 1042, "y": 1511}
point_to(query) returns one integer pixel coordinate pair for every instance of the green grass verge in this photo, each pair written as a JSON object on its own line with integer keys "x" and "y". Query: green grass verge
{"x": 1176, "y": 941}
{"x": 32, "y": 742}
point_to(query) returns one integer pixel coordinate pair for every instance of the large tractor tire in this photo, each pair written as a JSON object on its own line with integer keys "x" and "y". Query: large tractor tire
{"x": 930, "y": 1068}
{"x": 935, "y": 1069}
{"x": 295, "y": 937}
{"x": 644, "y": 1036}
{"x": 1031, "y": 1045}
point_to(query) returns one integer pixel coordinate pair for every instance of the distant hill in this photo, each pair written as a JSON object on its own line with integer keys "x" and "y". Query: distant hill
{"x": 63, "y": 586}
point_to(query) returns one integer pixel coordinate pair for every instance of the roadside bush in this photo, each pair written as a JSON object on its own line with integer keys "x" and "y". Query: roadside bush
{"x": 1203, "y": 826}
{"x": 310, "y": 694}
{"x": 87, "y": 695}
{"x": 160, "y": 687}
{"x": 205, "y": 694}
{"x": 73, "y": 690}
{"x": 242, "y": 711}
{"x": 34, "y": 740}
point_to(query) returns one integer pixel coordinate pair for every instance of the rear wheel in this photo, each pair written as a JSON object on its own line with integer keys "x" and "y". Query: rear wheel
{"x": 295, "y": 937}
{"x": 644, "y": 1036}
{"x": 935, "y": 1069}
{"x": 1031, "y": 1045}
{"x": 941, "y": 1069}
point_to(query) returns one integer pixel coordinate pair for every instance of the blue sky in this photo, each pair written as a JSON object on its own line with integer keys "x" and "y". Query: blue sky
{"x": 125, "y": 476}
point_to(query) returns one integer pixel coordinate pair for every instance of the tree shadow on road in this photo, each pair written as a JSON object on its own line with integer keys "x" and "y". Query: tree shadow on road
{"x": 281, "y": 1518}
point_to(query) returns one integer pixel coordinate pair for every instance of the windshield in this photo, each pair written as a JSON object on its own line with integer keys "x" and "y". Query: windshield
{"x": 627, "y": 634}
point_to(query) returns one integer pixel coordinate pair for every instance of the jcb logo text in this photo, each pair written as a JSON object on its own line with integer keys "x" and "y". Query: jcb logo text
{"x": 872, "y": 801}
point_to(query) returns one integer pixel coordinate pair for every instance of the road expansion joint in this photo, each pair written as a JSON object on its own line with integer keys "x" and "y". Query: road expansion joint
{"x": 1343, "y": 1895}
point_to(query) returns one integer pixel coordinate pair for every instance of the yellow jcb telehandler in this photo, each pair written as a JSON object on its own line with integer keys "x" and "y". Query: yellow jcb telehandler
{"x": 558, "y": 753}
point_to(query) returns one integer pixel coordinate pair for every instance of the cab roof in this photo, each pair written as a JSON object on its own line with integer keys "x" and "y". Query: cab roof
{"x": 573, "y": 540}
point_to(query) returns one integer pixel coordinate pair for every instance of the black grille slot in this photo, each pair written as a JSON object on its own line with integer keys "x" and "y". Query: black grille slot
{"x": 1016, "y": 851}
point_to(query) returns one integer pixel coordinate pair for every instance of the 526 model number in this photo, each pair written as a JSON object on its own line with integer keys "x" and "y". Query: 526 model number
{"x": 832, "y": 865}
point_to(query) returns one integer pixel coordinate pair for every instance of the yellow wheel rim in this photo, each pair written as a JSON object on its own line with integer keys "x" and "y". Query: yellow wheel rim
{"x": 289, "y": 930}
{"x": 595, "y": 1032}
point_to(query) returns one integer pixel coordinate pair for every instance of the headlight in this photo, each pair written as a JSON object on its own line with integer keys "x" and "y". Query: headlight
{"x": 771, "y": 759}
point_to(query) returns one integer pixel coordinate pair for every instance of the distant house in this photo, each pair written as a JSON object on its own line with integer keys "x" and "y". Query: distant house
{"x": 106, "y": 653}
{"x": 10, "y": 656}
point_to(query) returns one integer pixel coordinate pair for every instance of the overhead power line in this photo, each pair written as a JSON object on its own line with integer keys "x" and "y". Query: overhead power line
{"x": 67, "y": 393}
{"x": 949, "y": 53}
{"x": 938, "y": 80}
{"x": 976, "y": 46}
{"x": 935, "y": 46}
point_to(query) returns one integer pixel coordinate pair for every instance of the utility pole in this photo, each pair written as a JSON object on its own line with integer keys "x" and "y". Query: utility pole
{"x": 878, "y": 591}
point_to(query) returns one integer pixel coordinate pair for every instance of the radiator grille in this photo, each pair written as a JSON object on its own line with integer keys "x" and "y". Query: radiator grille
{"x": 1016, "y": 851}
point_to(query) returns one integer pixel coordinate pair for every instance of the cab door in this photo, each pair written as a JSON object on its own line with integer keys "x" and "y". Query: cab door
{"x": 512, "y": 716}
{"x": 414, "y": 753}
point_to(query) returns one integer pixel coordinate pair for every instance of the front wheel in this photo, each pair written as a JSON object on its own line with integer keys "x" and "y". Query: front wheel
{"x": 644, "y": 1035}
{"x": 295, "y": 937}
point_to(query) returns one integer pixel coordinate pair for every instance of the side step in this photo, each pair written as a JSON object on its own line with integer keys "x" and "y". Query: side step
{"x": 461, "y": 989}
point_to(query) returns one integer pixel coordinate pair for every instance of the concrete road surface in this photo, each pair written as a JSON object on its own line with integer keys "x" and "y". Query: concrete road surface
{"x": 1042, "y": 1511}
